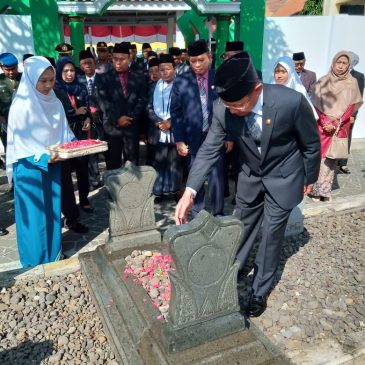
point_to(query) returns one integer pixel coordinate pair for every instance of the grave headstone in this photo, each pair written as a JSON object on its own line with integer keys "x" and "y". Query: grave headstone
{"x": 204, "y": 301}
{"x": 131, "y": 216}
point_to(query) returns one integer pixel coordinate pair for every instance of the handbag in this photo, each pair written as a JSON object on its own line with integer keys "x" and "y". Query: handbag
{"x": 339, "y": 147}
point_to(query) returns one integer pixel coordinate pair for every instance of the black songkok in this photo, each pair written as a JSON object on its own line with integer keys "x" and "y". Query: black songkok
{"x": 167, "y": 58}
{"x": 198, "y": 47}
{"x": 121, "y": 48}
{"x": 146, "y": 45}
{"x": 153, "y": 62}
{"x": 234, "y": 46}
{"x": 236, "y": 77}
{"x": 85, "y": 54}
{"x": 175, "y": 51}
{"x": 299, "y": 56}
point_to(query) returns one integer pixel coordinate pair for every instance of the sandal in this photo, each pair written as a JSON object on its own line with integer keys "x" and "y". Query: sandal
{"x": 345, "y": 170}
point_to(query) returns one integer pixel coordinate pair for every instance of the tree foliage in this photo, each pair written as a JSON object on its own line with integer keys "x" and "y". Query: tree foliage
{"x": 312, "y": 7}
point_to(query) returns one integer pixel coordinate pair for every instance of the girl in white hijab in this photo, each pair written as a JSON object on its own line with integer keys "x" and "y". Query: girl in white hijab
{"x": 36, "y": 121}
{"x": 284, "y": 74}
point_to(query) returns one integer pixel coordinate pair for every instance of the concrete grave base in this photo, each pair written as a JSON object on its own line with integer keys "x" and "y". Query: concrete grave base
{"x": 138, "y": 337}
{"x": 133, "y": 240}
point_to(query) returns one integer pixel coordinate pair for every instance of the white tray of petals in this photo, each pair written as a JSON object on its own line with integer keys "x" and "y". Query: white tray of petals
{"x": 78, "y": 148}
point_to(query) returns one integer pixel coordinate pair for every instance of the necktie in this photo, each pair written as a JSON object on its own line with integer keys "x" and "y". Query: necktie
{"x": 254, "y": 128}
{"x": 123, "y": 81}
{"x": 204, "y": 102}
{"x": 90, "y": 87}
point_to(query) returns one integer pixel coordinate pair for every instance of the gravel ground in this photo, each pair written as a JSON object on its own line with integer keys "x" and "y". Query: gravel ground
{"x": 320, "y": 297}
{"x": 51, "y": 322}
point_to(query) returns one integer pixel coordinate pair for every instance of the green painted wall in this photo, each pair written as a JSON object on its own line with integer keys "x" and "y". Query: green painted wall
{"x": 251, "y": 29}
{"x": 46, "y": 24}
{"x": 221, "y": 36}
{"x": 77, "y": 36}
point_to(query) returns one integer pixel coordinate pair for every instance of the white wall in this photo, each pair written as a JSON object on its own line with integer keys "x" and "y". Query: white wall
{"x": 16, "y": 35}
{"x": 320, "y": 38}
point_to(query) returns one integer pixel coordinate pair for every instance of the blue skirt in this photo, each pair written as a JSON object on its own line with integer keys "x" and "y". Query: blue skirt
{"x": 37, "y": 202}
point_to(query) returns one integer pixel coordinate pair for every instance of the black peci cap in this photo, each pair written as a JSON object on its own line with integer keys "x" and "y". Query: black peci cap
{"x": 175, "y": 51}
{"x": 85, "y": 54}
{"x": 153, "y": 62}
{"x": 198, "y": 47}
{"x": 151, "y": 54}
{"x": 167, "y": 58}
{"x": 146, "y": 45}
{"x": 234, "y": 46}
{"x": 121, "y": 48}
{"x": 236, "y": 77}
{"x": 299, "y": 56}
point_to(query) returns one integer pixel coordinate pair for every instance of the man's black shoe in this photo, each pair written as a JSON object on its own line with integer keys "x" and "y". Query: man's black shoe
{"x": 77, "y": 227}
{"x": 3, "y": 231}
{"x": 256, "y": 306}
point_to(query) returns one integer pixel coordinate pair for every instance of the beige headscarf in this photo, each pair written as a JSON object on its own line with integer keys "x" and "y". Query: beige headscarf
{"x": 333, "y": 94}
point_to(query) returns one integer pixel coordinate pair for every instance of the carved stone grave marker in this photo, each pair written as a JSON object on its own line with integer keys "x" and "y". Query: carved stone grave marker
{"x": 204, "y": 300}
{"x": 132, "y": 216}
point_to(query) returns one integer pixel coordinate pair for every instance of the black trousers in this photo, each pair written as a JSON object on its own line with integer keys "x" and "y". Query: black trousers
{"x": 265, "y": 212}
{"x": 215, "y": 189}
{"x": 68, "y": 201}
{"x": 121, "y": 149}
{"x": 94, "y": 173}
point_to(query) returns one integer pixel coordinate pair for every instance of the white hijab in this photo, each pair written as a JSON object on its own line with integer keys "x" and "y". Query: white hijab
{"x": 294, "y": 82}
{"x": 35, "y": 121}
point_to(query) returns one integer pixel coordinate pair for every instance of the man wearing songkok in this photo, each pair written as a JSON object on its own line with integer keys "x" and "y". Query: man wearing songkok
{"x": 92, "y": 81}
{"x": 192, "y": 98}
{"x": 122, "y": 98}
{"x": 307, "y": 77}
{"x": 180, "y": 67}
{"x": 232, "y": 48}
{"x": 278, "y": 160}
{"x": 184, "y": 56}
{"x": 9, "y": 82}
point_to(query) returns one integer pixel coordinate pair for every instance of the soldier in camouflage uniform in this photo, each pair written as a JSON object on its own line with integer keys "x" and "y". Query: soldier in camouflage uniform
{"x": 9, "y": 82}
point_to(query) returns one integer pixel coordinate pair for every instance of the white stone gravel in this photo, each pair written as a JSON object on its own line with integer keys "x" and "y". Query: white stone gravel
{"x": 318, "y": 305}
{"x": 51, "y": 321}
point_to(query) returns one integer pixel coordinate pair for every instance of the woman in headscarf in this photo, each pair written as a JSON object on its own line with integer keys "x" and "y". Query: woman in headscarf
{"x": 79, "y": 118}
{"x": 285, "y": 74}
{"x": 166, "y": 161}
{"x": 336, "y": 97}
{"x": 36, "y": 121}
{"x": 360, "y": 81}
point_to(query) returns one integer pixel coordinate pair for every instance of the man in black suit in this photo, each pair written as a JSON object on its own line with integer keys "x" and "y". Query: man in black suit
{"x": 360, "y": 81}
{"x": 122, "y": 98}
{"x": 191, "y": 110}
{"x": 92, "y": 82}
{"x": 278, "y": 161}
{"x": 307, "y": 77}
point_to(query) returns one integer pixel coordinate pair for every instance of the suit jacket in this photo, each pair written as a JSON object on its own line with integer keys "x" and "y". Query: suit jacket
{"x": 290, "y": 148}
{"x": 186, "y": 110}
{"x": 114, "y": 104}
{"x": 308, "y": 79}
{"x": 93, "y": 98}
{"x": 360, "y": 80}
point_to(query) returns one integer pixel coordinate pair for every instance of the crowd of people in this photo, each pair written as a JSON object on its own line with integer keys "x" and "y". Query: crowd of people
{"x": 210, "y": 124}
